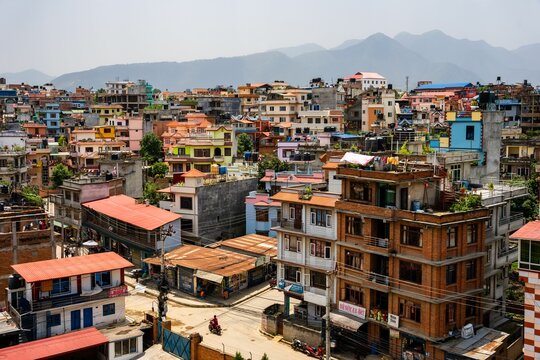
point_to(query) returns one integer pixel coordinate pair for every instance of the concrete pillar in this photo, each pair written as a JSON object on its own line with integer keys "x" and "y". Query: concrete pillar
{"x": 195, "y": 340}
{"x": 14, "y": 242}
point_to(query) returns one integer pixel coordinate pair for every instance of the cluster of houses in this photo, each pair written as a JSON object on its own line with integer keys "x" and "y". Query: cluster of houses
{"x": 404, "y": 208}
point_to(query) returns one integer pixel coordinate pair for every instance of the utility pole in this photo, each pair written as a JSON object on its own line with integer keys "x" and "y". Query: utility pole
{"x": 328, "y": 304}
{"x": 163, "y": 284}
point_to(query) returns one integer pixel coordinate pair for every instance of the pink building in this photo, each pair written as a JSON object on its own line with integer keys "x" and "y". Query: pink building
{"x": 136, "y": 133}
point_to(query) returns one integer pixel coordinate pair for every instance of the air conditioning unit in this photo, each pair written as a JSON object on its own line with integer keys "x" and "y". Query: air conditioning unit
{"x": 468, "y": 331}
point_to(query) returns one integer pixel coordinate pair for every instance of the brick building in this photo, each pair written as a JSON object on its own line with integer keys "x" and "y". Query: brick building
{"x": 409, "y": 271}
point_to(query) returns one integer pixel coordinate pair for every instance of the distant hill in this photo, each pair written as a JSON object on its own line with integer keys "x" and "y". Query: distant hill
{"x": 30, "y": 76}
{"x": 430, "y": 56}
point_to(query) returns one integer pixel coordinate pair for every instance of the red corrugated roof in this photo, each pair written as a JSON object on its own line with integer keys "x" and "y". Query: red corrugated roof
{"x": 126, "y": 209}
{"x": 529, "y": 231}
{"x": 55, "y": 346}
{"x": 71, "y": 266}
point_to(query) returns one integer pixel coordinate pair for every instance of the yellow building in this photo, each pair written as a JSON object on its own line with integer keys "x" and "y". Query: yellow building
{"x": 105, "y": 132}
{"x": 106, "y": 112}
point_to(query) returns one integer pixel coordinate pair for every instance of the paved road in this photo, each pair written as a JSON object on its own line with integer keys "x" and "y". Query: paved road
{"x": 240, "y": 323}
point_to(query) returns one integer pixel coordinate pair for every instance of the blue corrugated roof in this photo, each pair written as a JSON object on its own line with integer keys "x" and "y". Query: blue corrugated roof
{"x": 444, "y": 86}
{"x": 346, "y": 136}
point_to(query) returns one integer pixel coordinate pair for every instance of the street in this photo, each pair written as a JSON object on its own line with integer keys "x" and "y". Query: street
{"x": 240, "y": 325}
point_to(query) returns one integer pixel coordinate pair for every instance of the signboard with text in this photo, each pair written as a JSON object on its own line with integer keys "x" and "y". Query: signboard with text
{"x": 355, "y": 310}
{"x": 118, "y": 291}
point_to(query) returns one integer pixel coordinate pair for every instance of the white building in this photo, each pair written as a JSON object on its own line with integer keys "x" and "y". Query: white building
{"x": 367, "y": 80}
{"x": 307, "y": 238}
{"x": 53, "y": 297}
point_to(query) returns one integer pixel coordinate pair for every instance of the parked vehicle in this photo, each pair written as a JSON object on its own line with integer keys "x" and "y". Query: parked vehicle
{"x": 298, "y": 345}
{"x": 315, "y": 352}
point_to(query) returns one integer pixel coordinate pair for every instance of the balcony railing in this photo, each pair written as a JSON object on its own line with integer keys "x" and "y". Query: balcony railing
{"x": 291, "y": 224}
{"x": 67, "y": 300}
{"x": 509, "y": 219}
{"x": 25, "y": 237}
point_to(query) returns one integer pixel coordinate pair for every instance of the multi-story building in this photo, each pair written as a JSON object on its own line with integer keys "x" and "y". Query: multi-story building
{"x": 53, "y": 297}
{"x": 25, "y": 235}
{"x": 307, "y": 251}
{"x": 51, "y": 114}
{"x": 13, "y": 161}
{"x": 409, "y": 271}
{"x": 134, "y": 230}
{"x": 211, "y": 208}
{"x": 107, "y": 112}
{"x": 133, "y": 97}
{"x": 66, "y": 205}
{"x": 529, "y": 273}
{"x": 378, "y": 109}
{"x": 262, "y": 213}
{"x": 314, "y": 122}
{"x": 362, "y": 81}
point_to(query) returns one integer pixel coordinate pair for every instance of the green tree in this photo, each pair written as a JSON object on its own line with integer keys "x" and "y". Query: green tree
{"x": 271, "y": 162}
{"x": 151, "y": 194}
{"x": 62, "y": 142}
{"x": 265, "y": 357}
{"x": 158, "y": 170}
{"x": 238, "y": 356}
{"x": 244, "y": 143}
{"x": 59, "y": 174}
{"x": 30, "y": 194}
{"x": 529, "y": 205}
{"x": 151, "y": 147}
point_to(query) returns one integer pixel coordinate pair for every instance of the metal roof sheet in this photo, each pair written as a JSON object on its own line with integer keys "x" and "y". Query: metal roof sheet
{"x": 216, "y": 261}
{"x": 444, "y": 86}
{"x": 315, "y": 200}
{"x": 126, "y": 209}
{"x": 253, "y": 243}
{"x": 70, "y": 266}
{"x": 529, "y": 231}
{"x": 55, "y": 346}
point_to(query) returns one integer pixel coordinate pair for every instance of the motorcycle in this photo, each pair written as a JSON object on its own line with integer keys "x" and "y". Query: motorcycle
{"x": 214, "y": 329}
{"x": 298, "y": 345}
{"x": 315, "y": 352}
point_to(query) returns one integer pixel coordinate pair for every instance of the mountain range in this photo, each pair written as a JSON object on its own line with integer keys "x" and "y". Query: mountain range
{"x": 431, "y": 56}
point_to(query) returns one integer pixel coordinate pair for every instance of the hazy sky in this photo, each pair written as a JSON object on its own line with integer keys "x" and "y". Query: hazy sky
{"x": 60, "y": 36}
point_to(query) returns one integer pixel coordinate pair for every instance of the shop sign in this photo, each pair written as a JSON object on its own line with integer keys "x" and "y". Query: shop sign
{"x": 357, "y": 311}
{"x": 118, "y": 291}
{"x": 393, "y": 320}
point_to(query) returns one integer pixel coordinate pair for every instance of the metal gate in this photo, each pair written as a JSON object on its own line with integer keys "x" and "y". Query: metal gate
{"x": 176, "y": 344}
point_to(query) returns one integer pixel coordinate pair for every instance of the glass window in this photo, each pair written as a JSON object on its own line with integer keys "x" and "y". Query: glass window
{"x": 409, "y": 271}
{"x": 321, "y": 217}
{"x": 410, "y": 310}
{"x": 53, "y": 320}
{"x": 360, "y": 192}
{"x": 450, "y": 313}
{"x": 451, "y": 274}
{"x": 472, "y": 233}
{"x": 353, "y": 225}
{"x": 469, "y": 133}
{"x": 61, "y": 286}
{"x": 292, "y": 243}
{"x": 470, "y": 308}
{"x": 470, "y": 269}
{"x": 186, "y": 203}
{"x": 353, "y": 259}
{"x": 125, "y": 347}
{"x": 319, "y": 248}
{"x": 108, "y": 309}
{"x": 451, "y": 240}
{"x": 353, "y": 295}
{"x": 318, "y": 279}
{"x": 411, "y": 236}
{"x": 261, "y": 214}
{"x": 101, "y": 279}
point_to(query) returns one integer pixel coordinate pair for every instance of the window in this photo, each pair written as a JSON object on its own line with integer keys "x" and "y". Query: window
{"x": 68, "y": 195}
{"x": 282, "y": 108}
{"x": 292, "y": 273}
{"x": 61, "y": 286}
{"x": 353, "y": 225}
{"x": 202, "y": 152}
{"x": 353, "y": 259}
{"x": 451, "y": 240}
{"x": 320, "y": 248}
{"x": 360, "y": 192}
{"x": 455, "y": 172}
{"x": 390, "y": 103}
{"x": 75, "y": 196}
{"x": 410, "y": 272}
{"x": 186, "y": 225}
{"x": 529, "y": 257}
{"x": 88, "y": 149}
{"x": 101, "y": 278}
{"x": 389, "y": 114}
{"x": 411, "y": 236}
{"x": 356, "y": 114}
{"x": 292, "y": 243}
{"x": 261, "y": 215}
{"x": 470, "y": 308}
{"x": 271, "y": 108}
{"x": 321, "y": 217}
{"x": 450, "y": 313}
{"x": 125, "y": 347}
{"x": 203, "y": 167}
{"x": 53, "y": 320}
{"x": 353, "y": 295}
{"x": 317, "y": 120}
{"x": 470, "y": 269}
{"x": 472, "y": 233}
{"x": 227, "y": 136}
{"x": 107, "y": 130}
{"x": 310, "y": 120}
{"x": 410, "y": 310}
{"x": 282, "y": 119}
{"x": 317, "y": 279}
{"x": 469, "y": 133}
{"x": 227, "y": 151}
{"x": 108, "y": 309}
{"x": 320, "y": 310}
{"x": 451, "y": 275}
{"x": 186, "y": 203}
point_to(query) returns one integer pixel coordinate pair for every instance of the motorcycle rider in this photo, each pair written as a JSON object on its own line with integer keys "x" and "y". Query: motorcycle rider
{"x": 214, "y": 322}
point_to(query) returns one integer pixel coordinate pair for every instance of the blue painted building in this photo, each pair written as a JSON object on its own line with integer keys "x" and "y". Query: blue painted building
{"x": 466, "y": 131}
{"x": 50, "y": 115}
{"x": 261, "y": 214}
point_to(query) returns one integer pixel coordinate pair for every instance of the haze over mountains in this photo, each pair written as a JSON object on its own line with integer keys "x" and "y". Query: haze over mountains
{"x": 430, "y": 56}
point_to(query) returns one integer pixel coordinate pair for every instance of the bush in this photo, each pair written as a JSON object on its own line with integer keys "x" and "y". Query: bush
{"x": 158, "y": 170}
{"x": 59, "y": 174}
{"x": 238, "y": 356}
{"x": 467, "y": 203}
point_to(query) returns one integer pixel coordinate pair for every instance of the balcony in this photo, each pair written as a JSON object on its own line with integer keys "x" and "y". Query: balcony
{"x": 368, "y": 243}
{"x": 29, "y": 237}
{"x": 291, "y": 224}
{"x": 512, "y": 222}
{"x": 378, "y": 315}
{"x": 62, "y": 301}
{"x": 506, "y": 257}
{"x": 370, "y": 280}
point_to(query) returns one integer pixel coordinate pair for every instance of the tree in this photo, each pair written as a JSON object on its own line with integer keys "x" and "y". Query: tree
{"x": 265, "y": 357}
{"x": 151, "y": 194}
{"x": 244, "y": 143}
{"x": 270, "y": 162}
{"x": 158, "y": 170}
{"x": 59, "y": 174}
{"x": 238, "y": 356}
{"x": 30, "y": 194}
{"x": 62, "y": 142}
{"x": 151, "y": 147}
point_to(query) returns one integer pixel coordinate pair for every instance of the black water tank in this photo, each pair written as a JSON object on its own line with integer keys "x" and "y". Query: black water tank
{"x": 108, "y": 176}
{"x": 14, "y": 281}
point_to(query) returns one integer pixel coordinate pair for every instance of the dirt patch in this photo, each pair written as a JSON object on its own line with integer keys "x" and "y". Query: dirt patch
{"x": 176, "y": 323}
{"x": 135, "y": 313}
